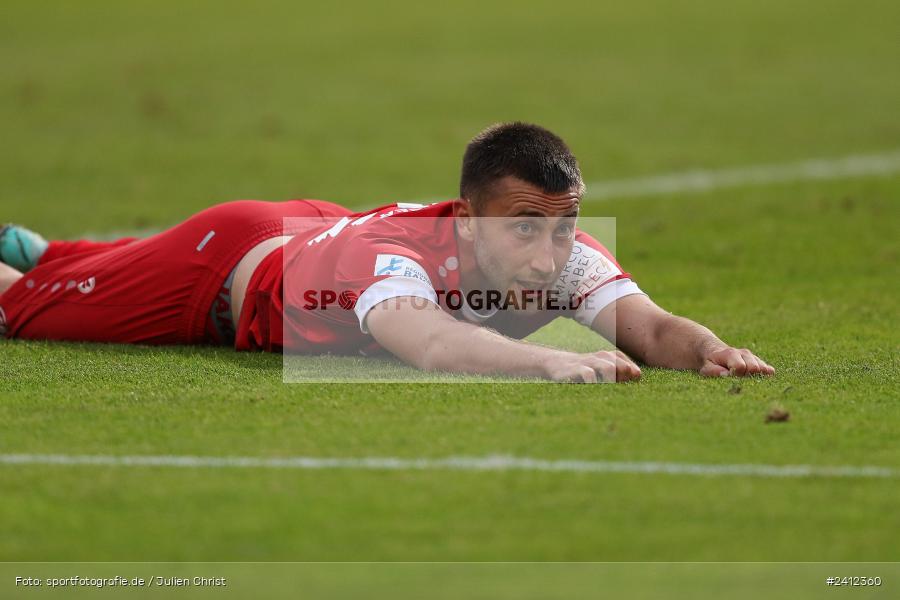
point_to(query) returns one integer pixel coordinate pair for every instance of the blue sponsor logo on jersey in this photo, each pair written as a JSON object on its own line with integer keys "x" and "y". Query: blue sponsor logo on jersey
{"x": 392, "y": 266}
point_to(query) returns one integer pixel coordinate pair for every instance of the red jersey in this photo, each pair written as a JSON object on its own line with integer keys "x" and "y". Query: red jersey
{"x": 313, "y": 295}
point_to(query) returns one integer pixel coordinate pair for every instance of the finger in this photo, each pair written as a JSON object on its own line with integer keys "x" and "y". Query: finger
{"x": 754, "y": 365}
{"x": 762, "y": 368}
{"x": 610, "y": 354}
{"x": 626, "y": 369}
{"x": 765, "y": 368}
{"x": 627, "y": 372}
{"x": 606, "y": 369}
{"x": 711, "y": 369}
{"x": 624, "y": 356}
{"x": 735, "y": 362}
{"x": 586, "y": 375}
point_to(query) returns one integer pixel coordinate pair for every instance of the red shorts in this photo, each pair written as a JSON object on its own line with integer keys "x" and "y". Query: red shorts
{"x": 157, "y": 290}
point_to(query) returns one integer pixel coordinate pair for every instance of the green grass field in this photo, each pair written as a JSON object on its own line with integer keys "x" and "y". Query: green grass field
{"x": 123, "y": 116}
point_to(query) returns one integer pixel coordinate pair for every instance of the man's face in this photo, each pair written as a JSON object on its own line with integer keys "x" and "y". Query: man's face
{"x": 524, "y": 236}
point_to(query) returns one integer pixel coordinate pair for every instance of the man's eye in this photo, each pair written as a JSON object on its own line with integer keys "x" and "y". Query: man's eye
{"x": 524, "y": 228}
{"x": 565, "y": 231}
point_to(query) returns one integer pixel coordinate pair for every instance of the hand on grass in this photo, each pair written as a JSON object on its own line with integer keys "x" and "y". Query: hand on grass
{"x": 738, "y": 362}
{"x": 595, "y": 367}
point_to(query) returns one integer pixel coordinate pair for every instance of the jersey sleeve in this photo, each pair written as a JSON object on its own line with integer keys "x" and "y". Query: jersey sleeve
{"x": 592, "y": 279}
{"x": 377, "y": 269}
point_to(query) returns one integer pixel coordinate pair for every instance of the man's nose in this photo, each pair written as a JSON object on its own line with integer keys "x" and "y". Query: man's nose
{"x": 543, "y": 263}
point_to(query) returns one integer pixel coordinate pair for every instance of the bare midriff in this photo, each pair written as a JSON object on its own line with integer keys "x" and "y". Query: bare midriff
{"x": 243, "y": 272}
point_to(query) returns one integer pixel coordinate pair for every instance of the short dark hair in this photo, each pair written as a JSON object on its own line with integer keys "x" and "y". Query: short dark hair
{"x": 525, "y": 151}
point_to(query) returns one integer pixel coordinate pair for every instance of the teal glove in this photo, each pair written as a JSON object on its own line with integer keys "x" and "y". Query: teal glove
{"x": 20, "y": 248}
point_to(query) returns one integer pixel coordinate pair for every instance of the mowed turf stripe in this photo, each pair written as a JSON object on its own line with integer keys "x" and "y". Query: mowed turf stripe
{"x": 698, "y": 180}
{"x": 456, "y": 463}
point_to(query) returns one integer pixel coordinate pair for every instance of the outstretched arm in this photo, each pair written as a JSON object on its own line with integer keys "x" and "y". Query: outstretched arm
{"x": 659, "y": 339}
{"x": 23, "y": 249}
{"x": 423, "y": 335}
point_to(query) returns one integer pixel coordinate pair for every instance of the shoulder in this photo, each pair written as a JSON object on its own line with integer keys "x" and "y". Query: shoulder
{"x": 589, "y": 266}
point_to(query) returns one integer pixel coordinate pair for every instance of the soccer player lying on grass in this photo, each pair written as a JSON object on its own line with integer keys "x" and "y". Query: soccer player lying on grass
{"x": 308, "y": 276}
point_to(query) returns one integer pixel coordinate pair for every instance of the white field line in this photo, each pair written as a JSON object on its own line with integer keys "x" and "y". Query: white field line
{"x": 454, "y": 463}
{"x": 860, "y": 165}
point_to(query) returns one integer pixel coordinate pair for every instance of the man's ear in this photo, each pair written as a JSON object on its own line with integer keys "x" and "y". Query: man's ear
{"x": 464, "y": 216}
